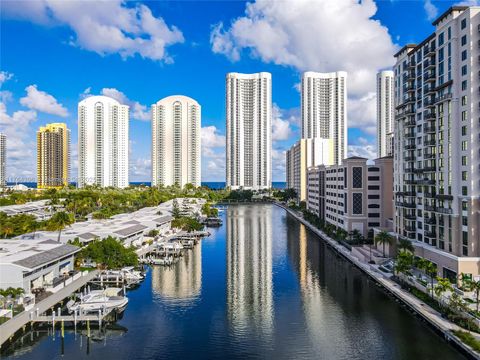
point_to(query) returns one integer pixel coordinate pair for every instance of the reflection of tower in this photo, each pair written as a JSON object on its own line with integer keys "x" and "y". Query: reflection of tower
{"x": 249, "y": 268}
{"x": 182, "y": 283}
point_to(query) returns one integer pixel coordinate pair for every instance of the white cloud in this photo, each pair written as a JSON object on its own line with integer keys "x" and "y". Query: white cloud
{"x": 430, "y": 9}
{"x": 365, "y": 150}
{"x": 4, "y": 76}
{"x": 137, "y": 110}
{"x": 280, "y": 126}
{"x": 43, "y": 102}
{"x": 6, "y": 96}
{"x": 278, "y": 164}
{"x": 140, "y": 169}
{"x": 362, "y": 113}
{"x": 213, "y": 154}
{"x": 20, "y": 147}
{"x": 211, "y": 138}
{"x": 299, "y": 34}
{"x": 105, "y": 27}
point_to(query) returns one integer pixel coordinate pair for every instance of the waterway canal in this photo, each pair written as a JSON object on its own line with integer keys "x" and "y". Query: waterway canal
{"x": 261, "y": 286}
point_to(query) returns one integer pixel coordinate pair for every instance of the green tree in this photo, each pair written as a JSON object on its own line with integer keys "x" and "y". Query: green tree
{"x": 442, "y": 286}
{"x": 430, "y": 270}
{"x": 175, "y": 209}
{"x": 383, "y": 238}
{"x": 403, "y": 263}
{"x": 474, "y": 286}
{"x": 406, "y": 245}
{"x": 59, "y": 221}
{"x": 110, "y": 253}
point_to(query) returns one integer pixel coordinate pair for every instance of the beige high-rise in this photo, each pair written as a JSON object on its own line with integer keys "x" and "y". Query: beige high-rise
{"x": 53, "y": 156}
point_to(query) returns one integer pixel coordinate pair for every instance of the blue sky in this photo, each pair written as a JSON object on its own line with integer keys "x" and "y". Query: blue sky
{"x": 54, "y": 53}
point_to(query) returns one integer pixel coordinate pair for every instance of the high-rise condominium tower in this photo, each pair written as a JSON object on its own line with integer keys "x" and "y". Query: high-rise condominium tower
{"x": 102, "y": 142}
{"x": 437, "y": 144}
{"x": 3, "y": 159}
{"x": 176, "y": 127}
{"x": 249, "y": 130}
{"x": 53, "y": 156}
{"x": 324, "y": 109}
{"x": 385, "y": 113}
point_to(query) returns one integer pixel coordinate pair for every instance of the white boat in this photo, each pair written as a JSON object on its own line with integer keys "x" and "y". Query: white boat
{"x": 168, "y": 260}
{"x": 104, "y": 300}
{"x": 127, "y": 273}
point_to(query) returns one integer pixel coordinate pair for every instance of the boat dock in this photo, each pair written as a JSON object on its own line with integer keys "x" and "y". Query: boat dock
{"x": 9, "y": 328}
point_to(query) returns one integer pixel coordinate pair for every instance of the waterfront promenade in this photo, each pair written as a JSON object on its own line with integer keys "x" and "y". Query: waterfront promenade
{"x": 433, "y": 317}
{"x": 9, "y": 328}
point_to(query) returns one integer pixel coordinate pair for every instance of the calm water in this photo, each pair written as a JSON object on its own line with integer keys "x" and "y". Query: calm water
{"x": 261, "y": 286}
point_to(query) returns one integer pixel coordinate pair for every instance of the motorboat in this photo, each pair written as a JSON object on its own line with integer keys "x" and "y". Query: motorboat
{"x": 99, "y": 300}
{"x": 167, "y": 260}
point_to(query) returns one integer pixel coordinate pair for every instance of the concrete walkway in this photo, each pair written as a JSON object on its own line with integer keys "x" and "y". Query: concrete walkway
{"x": 9, "y": 328}
{"x": 426, "y": 312}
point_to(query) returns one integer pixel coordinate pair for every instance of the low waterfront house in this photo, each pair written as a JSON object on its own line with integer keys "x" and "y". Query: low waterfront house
{"x": 41, "y": 209}
{"x": 34, "y": 264}
{"x": 129, "y": 228}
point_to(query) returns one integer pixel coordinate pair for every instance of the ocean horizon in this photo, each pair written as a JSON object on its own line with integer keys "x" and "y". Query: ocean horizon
{"x": 215, "y": 185}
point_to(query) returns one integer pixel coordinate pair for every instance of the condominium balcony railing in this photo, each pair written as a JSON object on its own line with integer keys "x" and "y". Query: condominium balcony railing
{"x": 425, "y": 182}
{"x": 430, "y": 129}
{"x": 431, "y": 220}
{"x": 430, "y": 116}
{"x": 444, "y": 197}
{"x": 430, "y": 142}
{"x": 429, "y": 64}
{"x": 443, "y": 97}
{"x": 410, "y": 122}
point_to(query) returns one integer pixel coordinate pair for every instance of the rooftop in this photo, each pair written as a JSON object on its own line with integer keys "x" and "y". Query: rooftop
{"x": 32, "y": 253}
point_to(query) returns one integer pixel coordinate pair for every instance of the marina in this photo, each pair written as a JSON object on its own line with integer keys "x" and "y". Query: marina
{"x": 240, "y": 294}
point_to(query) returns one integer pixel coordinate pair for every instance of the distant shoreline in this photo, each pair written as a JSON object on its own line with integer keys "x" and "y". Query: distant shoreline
{"x": 215, "y": 185}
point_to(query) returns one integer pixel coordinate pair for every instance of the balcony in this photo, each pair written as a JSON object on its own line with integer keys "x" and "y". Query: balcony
{"x": 425, "y": 182}
{"x": 430, "y": 129}
{"x": 410, "y": 123}
{"x": 409, "y": 135}
{"x": 430, "y": 220}
{"x": 445, "y": 211}
{"x": 409, "y": 158}
{"x": 443, "y": 98}
{"x": 410, "y": 147}
{"x": 429, "y": 195}
{"x": 411, "y": 64}
{"x": 430, "y": 142}
{"x": 429, "y": 77}
{"x": 409, "y": 169}
{"x": 410, "y": 217}
{"x": 430, "y": 207}
{"x": 429, "y": 116}
{"x": 429, "y": 168}
{"x": 444, "y": 197}
{"x": 431, "y": 234}
{"x": 430, "y": 51}
{"x": 429, "y": 64}
{"x": 429, "y": 156}
{"x": 410, "y": 228}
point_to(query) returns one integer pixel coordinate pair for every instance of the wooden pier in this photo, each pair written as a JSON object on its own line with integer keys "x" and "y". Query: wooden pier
{"x": 10, "y": 327}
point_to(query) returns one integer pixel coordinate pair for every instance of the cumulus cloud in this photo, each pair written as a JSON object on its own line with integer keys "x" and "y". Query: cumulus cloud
{"x": 4, "y": 76}
{"x": 281, "y": 129}
{"x": 213, "y": 154}
{"x": 137, "y": 110}
{"x": 430, "y": 9}
{"x": 278, "y": 164}
{"x": 140, "y": 169}
{"x": 362, "y": 113}
{"x": 299, "y": 34}
{"x": 43, "y": 102}
{"x": 363, "y": 149}
{"x": 20, "y": 148}
{"x": 105, "y": 27}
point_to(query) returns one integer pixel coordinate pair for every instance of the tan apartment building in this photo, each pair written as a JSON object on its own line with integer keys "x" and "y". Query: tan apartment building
{"x": 302, "y": 155}
{"x": 354, "y": 195}
{"x": 53, "y": 156}
{"x": 437, "y": 143}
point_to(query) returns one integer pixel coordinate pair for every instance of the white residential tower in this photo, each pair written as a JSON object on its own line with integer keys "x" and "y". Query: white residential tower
{"x": 176, "y": 127}
{"x": 249, "y": 130}
{"x": 102, "y": 142}
{"x": 385, "y": 113}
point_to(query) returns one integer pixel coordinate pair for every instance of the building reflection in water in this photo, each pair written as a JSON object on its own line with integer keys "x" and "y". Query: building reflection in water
{"x": 249, "y": 269}
{"x": 180, "y": 284}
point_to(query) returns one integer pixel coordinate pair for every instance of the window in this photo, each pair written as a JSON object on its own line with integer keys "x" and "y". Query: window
{"x": 374, "y": 178}
{"x": 357, "y": 177}
{"x": 464, "y": 100}
{"x": 464, "y": 40}
{"x": 464, "y": 191}
{"x": 464, "y": 85}
{"x": 464, "y": 130}
{"x": 440, "y": 39}
{"x": 373, "y": 187}
{"x": 463, "y": 24}
{"x": 373, "y": 197}
{"x": 464, "y": 145}
{"x": 464, "y": 70}
{"x": 464, "y": 55}
{"x": 464, "y": 115}
{"x": 373, "y": 215}
{"x": 357, "y": 203}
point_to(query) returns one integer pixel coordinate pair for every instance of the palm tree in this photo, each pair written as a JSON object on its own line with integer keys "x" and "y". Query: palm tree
{"x": 429, "y": 268}
{"x": 473, "y": 285}
{"x": 406, "y": 245}
{"x": 442, "y": 286}
{"x": 383, "y": 238}
{"x": 59, "y": 221}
